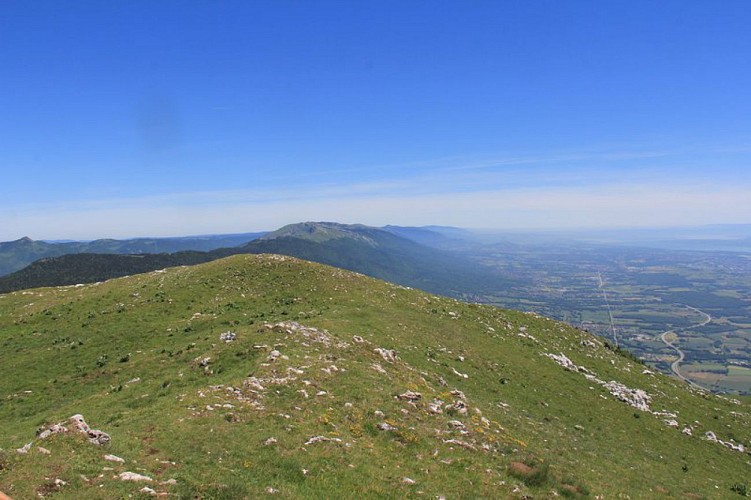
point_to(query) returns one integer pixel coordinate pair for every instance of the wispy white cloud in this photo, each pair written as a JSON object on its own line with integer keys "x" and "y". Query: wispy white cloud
{"x": 582, "y": 168}
{"x": 605, "y": 188}
{"x": 606, "y": 205}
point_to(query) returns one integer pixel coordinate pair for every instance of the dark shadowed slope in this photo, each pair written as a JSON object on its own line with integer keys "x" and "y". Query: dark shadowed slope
{"x": 15, "y": 255}
{"x": 381, "y": 254}
{"x": 90, "y": 268}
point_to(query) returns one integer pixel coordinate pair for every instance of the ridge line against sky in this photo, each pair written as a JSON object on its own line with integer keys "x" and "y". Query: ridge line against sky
{"x": 172, "y": 118}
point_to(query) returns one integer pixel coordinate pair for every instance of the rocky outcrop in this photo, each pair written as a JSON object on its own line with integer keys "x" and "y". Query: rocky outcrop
{"x": 711, "y": 436}
{"x": 78, "y": 424}
{"x": 95, "y": 436}
{"x": 637, "y": 398}
{"x": 387, "y": 354}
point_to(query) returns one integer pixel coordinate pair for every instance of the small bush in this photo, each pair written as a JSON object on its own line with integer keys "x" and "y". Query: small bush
{"x": 740, "y": 488}
{"x": 531, "y": 472}
{"x": 571, "y": 488}
{"x": 406, "y": 437}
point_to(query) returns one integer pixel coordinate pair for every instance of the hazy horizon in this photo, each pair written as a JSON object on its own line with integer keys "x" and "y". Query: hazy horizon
{"x": 698, "y": 232}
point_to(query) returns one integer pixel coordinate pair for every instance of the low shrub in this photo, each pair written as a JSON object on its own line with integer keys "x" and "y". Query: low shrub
{"x": 532, "y": 472}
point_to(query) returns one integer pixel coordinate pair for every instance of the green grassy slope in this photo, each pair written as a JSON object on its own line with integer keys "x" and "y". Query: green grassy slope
{"x": 130, "y": 355}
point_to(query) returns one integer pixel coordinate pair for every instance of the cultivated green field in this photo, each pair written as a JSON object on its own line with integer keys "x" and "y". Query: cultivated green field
{"x": 703, "y": 297}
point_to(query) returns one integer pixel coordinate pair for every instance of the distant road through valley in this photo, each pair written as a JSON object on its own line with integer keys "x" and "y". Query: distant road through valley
{"x": 675, "y": 366}
{"x": 607, "y": 304}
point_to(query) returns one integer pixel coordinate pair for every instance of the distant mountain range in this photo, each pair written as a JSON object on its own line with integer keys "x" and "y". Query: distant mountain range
{"x": 15, "y": 255}
{"x": 393, "y": 254}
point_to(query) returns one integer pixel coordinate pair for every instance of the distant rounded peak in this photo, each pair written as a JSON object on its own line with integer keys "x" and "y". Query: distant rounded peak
{"x": 322, "y": 225}
{"x": 321, "y": 231}
{"x": 25, "y": 239}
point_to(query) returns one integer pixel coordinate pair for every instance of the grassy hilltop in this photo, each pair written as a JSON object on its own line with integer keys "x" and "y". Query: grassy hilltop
{"x": 338, "y": 385}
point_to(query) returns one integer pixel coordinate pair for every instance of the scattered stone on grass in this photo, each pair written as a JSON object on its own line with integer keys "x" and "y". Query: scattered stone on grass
{"x": 410, "y": 396}
{"x": 273, "y": 355}
{"x": 228, "y": 337}
{"x": 460, "y": 443}
{"x": 387, "y": 354}
{"x": 458, "y": 406}
{"x": 385, "y": 426}
{"x": 456, "y": 424}
{"x": 377, "y": 367}
{"x": 290, "y": 327}
{"x": 133, "y": 476}
{"x": 435, "y": 407}
{"x": 322, "y": 439}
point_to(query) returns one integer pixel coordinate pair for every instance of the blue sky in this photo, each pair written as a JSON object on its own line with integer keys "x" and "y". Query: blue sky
{"x": 136, "y": 118}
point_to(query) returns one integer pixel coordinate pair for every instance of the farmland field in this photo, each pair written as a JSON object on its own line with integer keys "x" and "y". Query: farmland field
{"x": 631, "y": 296}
